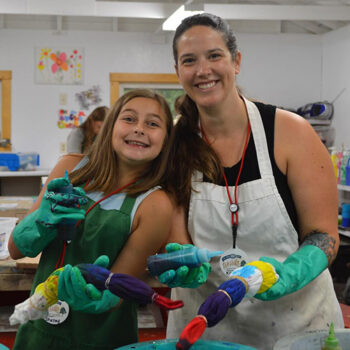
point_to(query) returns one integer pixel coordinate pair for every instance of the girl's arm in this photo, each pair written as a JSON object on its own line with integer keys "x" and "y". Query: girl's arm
{"x": 149, "y": 233}
{"x": 300, "y": 154}
{"x": 68, "y": 163}
{"x": 179, "y": 232}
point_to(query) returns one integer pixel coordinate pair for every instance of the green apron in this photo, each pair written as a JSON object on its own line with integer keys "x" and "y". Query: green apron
{"x": 102, "y": 232}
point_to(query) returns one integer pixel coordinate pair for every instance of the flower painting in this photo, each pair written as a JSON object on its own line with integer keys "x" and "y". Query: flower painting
{"x": 59, "y": 65}
{"x": 70, "y": 119}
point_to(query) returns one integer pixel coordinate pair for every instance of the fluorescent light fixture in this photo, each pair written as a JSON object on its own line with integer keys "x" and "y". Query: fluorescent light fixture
{"x": 172, "y": 22}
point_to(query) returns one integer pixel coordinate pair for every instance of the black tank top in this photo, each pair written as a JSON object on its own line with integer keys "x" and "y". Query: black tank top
{"x": 251, "y": 170}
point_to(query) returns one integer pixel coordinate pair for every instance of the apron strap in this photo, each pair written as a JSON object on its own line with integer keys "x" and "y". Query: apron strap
{"x": 258, "y": 131}
{"x": 128, "y": 205}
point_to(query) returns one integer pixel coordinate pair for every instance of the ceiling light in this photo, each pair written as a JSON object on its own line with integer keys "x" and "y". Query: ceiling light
{"x": 172, "y": 22}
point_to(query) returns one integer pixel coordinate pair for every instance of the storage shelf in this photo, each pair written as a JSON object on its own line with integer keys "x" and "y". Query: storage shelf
{"x": 344, "y": 188}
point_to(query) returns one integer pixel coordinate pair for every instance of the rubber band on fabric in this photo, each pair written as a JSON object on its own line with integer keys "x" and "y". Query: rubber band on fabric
{"x": 252, "y": 276}
{"x": 203, "y": 317}
{"x": 243, "y": 280}
{"x": 108, "y": 280}
{"x": 228, "y": 295}
{"x": 270, "y": 276}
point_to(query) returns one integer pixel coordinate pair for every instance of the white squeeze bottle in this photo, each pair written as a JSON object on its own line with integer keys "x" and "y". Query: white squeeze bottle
{"x": 191, "y": 257}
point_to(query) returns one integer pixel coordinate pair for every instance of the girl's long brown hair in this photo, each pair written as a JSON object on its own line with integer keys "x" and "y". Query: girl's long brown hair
{"x": 102, "y": 165}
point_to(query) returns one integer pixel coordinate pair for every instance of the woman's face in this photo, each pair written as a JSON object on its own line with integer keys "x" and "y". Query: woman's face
{"x": 139, "y": 132}
{"x": 96, "y": 126}
{"x": 205, "y": 66}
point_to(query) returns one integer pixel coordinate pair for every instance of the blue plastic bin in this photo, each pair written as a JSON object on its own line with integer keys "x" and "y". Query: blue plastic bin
{"x": 169, "y": 344}
{"x": 19, "y": 161}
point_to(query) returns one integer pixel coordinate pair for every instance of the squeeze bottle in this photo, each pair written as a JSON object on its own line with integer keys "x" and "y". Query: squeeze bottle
{"x": 66, "y": 228}
{"x": 331, "y": 343}
{"x": 191, "y": 257}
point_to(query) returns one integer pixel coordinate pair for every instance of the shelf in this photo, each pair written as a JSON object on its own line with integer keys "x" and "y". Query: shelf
{"x": 316, "y": 122}
{"x": 344, "y": 232}
{"x": 38, "y": 172}
{"x": 344, "y": 188}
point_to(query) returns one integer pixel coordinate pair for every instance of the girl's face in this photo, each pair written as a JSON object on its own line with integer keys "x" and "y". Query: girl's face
{"x": 205, "y": 67}
{"x": 139, "y": 132}
{"x": 96, "y": 126}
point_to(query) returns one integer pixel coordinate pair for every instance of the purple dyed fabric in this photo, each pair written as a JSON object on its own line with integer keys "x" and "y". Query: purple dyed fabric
{"x": 217, "y": 304}
{"x": 124, "y": 286}
{"x": 214, "y": 308}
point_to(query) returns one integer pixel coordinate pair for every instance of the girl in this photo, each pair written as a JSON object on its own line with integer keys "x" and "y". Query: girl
{"x": 125, "y": 215}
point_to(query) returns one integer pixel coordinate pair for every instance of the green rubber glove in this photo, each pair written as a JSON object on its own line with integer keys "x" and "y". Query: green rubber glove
{"x": 39, "y": 228}
{"x": 73, "y": 289}
{"x": 299, "y": 269}
{"x": 184, "y": 276}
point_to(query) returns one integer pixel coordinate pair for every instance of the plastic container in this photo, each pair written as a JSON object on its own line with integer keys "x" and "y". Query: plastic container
{"x": 169, "y": 344}
{"x": 346, "y": 215}
{"x": 19, "y": 161}
{"x": 190, "y": 257}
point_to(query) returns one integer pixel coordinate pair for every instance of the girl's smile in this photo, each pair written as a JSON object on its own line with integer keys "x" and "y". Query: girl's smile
{"x": 139, "y": 132}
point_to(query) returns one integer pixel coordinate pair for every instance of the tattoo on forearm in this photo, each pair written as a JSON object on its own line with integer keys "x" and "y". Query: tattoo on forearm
{"x": 323, "y": 241}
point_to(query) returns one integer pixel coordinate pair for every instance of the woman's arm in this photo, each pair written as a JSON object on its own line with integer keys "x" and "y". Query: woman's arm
{"x": 300, "y": 154}
{"x": 68, "y": 163}
{"x": 149, "y": 232}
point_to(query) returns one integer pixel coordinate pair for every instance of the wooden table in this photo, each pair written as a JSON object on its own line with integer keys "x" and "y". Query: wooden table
{"x": 17, "y": 275}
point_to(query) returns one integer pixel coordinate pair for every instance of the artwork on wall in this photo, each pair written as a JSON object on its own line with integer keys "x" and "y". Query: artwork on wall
{"x": 89, "y": 97}
{"x": 59, "y": 65}
{"x": 70, "y": 119}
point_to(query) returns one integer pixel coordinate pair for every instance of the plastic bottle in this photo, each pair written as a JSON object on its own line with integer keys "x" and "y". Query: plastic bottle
{"x": 334, "y": 158}
{"x": 347, "y": 173}
{"x": 344, "y": 163}
{"x": 331, "y": 343}
{"x": 190, "y": 257}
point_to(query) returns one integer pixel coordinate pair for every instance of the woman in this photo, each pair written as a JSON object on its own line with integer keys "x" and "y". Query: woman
{"x": 124, "y": 215}
{"x": 254, "y": 178}
{"x": 80, "y": 139}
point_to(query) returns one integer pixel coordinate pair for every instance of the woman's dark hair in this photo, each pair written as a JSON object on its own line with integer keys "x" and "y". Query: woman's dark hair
{"x": 97, "y": 115}
{"x": 208, "y": 20}
{"x": 190, "y": 152}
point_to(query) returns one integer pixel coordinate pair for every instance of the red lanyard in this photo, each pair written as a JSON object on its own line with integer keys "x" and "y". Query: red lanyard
{"x": 233, "y": 205}
{"x": 60, "y": 260}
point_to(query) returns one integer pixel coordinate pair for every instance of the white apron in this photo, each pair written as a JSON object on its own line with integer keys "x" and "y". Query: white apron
{"x": 265, "y": 229}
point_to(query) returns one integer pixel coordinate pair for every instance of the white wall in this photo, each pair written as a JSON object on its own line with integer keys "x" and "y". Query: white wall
{"x": 336, "y": 76}
{"x": 280, "y": 69}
